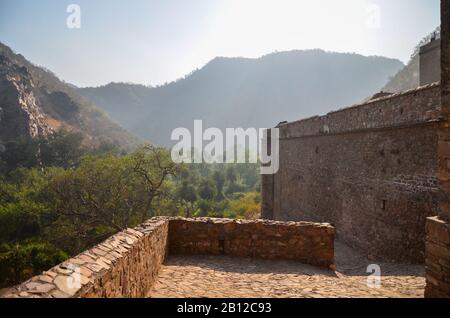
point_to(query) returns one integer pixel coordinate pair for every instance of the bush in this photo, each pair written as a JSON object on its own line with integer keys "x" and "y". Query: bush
{"x": 21, "y": 261}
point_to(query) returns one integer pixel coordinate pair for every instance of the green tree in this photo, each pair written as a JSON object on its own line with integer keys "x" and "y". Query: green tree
{"x": 20, "y": 261}
{"x": 207, "y": 189}
{"x": 107, "y": 194}
{"x": 22, "y": 209}
{"x": 187, "y": 197}
{"x": 248, "y": 206}
{"x": 61, "y": 149}
{"x": 20, "y": 153}
{"x": 219, "y": 178}
{"x": 153, "y": 167}
{"x": 231, "y": 174}
{"x": 205, "y": 207}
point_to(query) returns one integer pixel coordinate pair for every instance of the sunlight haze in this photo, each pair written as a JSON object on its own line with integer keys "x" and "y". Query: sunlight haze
{"x": 153, "y": 42}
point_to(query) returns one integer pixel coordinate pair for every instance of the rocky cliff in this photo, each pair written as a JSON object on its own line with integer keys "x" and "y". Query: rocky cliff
{"x": 34, "y": 103}
{"x": 20, "y": 114}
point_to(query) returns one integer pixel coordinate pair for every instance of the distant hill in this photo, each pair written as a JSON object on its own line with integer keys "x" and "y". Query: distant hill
{"x": 409, "y": 77}
{"x": 34, "y": 102}
{"x": 242, "y": 92}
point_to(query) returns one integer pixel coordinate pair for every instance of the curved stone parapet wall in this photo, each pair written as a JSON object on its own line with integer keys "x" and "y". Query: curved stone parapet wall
{"x": 127, "y": 264}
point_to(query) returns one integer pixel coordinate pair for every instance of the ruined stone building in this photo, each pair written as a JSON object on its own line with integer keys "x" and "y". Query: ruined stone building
{"x": 376, "y": 171}
{"x": 379, "y": 172}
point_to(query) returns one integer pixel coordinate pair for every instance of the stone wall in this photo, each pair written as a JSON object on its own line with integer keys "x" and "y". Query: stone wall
{"x": 445, "y": 55}
{"x": 309, "y": 243}
{"x": 125, "y": 265}
{"x": 369, "y": 170}
{"x": 438, "y": 258}
{"x": 397, "y": 110}
{"x": 438, "y": 228}
{"x": 430, "y": 62}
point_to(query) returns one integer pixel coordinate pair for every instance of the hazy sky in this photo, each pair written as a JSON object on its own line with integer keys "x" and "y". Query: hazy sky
{"x": 154, "y": 41}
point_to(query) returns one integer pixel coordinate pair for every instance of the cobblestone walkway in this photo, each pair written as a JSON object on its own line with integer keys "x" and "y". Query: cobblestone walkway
{"x": 219, "y": 276}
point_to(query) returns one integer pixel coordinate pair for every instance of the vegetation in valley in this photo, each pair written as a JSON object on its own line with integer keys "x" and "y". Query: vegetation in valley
{"x": 58, "y": 198}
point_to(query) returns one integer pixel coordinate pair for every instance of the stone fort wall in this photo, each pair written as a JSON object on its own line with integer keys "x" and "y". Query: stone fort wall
{"x": 438, "y": 227}
{"x": 128, "y": 263}
{"x": 369, "y": 170}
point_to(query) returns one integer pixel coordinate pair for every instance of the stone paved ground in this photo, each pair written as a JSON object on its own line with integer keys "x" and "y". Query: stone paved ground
{"x": 219, "y": 276}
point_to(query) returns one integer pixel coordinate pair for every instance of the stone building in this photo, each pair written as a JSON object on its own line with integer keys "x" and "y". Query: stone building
{"x": 370, "y": 170}
{"x": 376, "y": 171}
{"x": 430, "y": 62}
{"x": 379, "y": 171}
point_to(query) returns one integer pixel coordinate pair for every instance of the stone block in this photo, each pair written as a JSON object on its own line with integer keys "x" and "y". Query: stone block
{"x": 437, "y": 258}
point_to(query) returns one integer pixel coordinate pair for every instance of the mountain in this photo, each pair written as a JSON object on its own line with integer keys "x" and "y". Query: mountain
{"x": 409, "y": 77}
{"x": 34, "y": 103}
{"x": 243, "y": 92}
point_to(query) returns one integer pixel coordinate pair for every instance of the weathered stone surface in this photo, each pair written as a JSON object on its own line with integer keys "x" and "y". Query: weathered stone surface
{"x": 437, "y": 258}
{"x": 138, "y": 254}
{"x": 372, "y": 173}
{"x": 230, "y": 277}
{"x": 32, "y": 285}
{"x": 58, "y": 294}
{"x": 438, "y": 231}
{"x": 130, "y": 270}
{"x": 43, "y": 288}
{"x": 438, "y": 228}
{"x": 46, "y": 279}
{"x": 310, "y": 243}
{"x": 98, "y": 252}
{"x": 445, "y": 56}
{"x": 66, "y": 285}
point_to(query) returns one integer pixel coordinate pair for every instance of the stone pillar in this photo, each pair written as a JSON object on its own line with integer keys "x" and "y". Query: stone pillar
{"x": 437, "y": 258}
{"x": 445, "y": 55}
{"x": 267, "y": 188}
{"x": 438, "y": 228}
